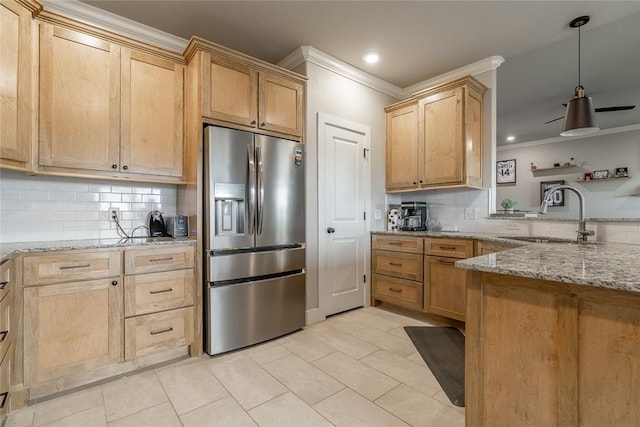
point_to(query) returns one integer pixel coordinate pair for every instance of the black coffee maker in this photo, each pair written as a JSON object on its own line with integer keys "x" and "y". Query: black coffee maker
{"x": 414, "y": 216}
{"x": 156, "y": 224}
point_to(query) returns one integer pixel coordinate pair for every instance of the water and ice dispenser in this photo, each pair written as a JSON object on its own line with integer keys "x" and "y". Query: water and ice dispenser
{"x": 230, "y": 205}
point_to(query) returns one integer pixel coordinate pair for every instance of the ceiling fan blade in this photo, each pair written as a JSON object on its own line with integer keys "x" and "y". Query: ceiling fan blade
{"x": 618, "y": 108}
{"x": 554, "y": 120}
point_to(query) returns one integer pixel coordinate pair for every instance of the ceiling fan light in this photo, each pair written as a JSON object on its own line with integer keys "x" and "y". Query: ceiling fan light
{"x": 580, "y": 117}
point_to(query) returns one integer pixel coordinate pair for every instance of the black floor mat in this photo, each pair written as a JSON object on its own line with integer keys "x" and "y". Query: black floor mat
{"x": 442, "y": 348}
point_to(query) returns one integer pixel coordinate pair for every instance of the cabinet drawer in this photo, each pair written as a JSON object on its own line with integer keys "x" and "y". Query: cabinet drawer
{"x": 484, "y": 248}
{"x": 5, "y": 326}
{"x": 158, "y": 259}
{"x": 397, "y": 264}
{"x": 454, "y": 248}
{"x": 157, "y": 332}
{"x": 65, "y": 267}
{"x": 5, "y": 279}
{"x": 5, "y": 382}
{"x": 397, "y": 291}
{"x": 148, "y": 293}
{"x": 397, "y": 243}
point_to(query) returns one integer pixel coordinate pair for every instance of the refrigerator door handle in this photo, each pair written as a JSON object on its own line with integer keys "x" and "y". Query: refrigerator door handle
{"x": 251, "y": 212}
{"x": 260, "y": 189}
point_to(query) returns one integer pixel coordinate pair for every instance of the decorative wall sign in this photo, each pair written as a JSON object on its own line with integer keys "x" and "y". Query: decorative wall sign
{"x": 506, "y": 171}
{"x": 558, "y": 196}
{"x": 622, "y": 172}
{"x": 601, "y": 174}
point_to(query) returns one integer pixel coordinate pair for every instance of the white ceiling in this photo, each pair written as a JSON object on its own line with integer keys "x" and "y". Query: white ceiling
{"x": 418, "y": 40}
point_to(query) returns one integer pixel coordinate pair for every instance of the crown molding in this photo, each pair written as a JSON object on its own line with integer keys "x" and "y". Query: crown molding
{"x": 324, "y": 60}
{"x": 556, "y": 139}
{"x": 110, "y": 21}
{"x": 318, "y": 57}
{"x": 478, "y": 67}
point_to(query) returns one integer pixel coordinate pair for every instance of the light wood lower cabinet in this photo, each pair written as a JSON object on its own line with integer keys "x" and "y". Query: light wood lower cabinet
{"x": 6, "y": 338}
{"x": 72, "y": 327}
{"x": 6, "y": 366}
{"x": 542, "y": 353}
{"x": 156, "y": 332}
{"x": 445, "y": 288}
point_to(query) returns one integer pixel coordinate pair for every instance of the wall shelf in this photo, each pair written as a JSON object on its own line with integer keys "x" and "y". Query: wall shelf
{"x": 602, "y": 179}
{"x": 554, "y": 171}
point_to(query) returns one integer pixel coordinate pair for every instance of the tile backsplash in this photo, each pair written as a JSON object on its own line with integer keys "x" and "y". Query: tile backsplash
{"x": 48, "y": 208}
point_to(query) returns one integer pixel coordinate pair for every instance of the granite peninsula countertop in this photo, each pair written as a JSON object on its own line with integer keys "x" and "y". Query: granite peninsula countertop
{"x": 613, "y": 266}
{"x": 8, "y": 249}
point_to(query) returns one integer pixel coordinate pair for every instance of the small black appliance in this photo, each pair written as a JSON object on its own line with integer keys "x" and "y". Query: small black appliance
{"x": 156, "y": 224}
{"x": 414, "y": 216}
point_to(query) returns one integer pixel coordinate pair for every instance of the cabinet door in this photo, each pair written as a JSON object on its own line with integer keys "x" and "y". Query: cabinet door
{"x": 79, "y": 100}
{"x": 15, "y": 69}
{"x": 445, "y": 287}
{"x": 72, "y": 327}
{"x": 280, "y": 105}
{"x": 402, "y": 148}
{"x": 441, "y": 136}
{"x": 151, "y": 140}
{"x": 230, "y": 91}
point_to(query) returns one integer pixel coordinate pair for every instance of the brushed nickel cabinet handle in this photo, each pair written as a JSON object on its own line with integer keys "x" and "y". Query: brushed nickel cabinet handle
{"x": 70, "y": 267}
{"x": 395, "y": 290}
{"x": 3, "y": 285}
{"x": 161, "y": 292}
{"x": 160, "y": 259}
{"x": 442, "y": 261}
{"x": 447, "y": 248}
{"x": 395, "y": 243}
{"x": 161, "y": 331}
{"x": 4, "y": 399}
{"x": 395, "y": 264}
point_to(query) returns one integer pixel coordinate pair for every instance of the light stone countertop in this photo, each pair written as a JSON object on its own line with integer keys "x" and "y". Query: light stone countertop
{"x": 604, "y": 265}
{"x": 8, "y": 249}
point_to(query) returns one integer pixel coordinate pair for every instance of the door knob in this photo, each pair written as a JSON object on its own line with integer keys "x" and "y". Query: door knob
{"x": 331, "y": 230}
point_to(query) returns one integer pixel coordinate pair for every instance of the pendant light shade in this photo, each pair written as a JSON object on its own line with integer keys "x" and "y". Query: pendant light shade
{"x": 580, "y": 116}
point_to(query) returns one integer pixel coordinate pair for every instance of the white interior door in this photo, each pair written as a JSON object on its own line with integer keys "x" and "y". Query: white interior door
{"x": 343, "y": 238}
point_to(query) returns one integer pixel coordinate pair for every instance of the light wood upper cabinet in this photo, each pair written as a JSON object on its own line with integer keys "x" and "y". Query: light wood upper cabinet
{"x": 15, "y": 85}
{"x": 241, "y": 93}
{"x": 152, "y": 119}
{"x": 230, "y": 91}
{"x": 79, "y": 100}
{"x": 108, "y": 109}
{"x": 280, "y": 105}
{"x": 448, "y": 126}
{"x": 72, "y": 326}
{"x": 402, "y": 147}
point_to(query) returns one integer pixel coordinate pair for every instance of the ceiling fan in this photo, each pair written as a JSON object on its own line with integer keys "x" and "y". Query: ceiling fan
{"x": 579, "y": 118}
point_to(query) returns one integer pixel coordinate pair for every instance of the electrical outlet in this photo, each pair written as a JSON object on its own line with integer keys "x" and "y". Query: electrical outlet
{"x": 114, "y": 212}
{"x": 471, "y": 213}
{"x": 377, "y": 214}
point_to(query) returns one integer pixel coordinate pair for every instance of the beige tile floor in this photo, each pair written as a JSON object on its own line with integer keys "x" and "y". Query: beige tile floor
{"x": 355, "y": 369}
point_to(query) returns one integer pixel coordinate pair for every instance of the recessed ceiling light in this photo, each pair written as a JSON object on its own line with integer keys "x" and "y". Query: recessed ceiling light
{"x": 511, "y": 138}
{"x": 371, "y": 58}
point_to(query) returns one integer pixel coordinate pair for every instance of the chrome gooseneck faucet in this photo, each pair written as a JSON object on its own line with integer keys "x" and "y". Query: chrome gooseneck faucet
{"x": 583, "y": 233}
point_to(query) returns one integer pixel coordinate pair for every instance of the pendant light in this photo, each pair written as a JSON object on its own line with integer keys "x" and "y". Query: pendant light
{"x": 580, "y": 116}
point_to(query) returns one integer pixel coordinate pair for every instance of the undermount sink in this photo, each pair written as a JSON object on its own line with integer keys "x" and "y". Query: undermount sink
{"x": 534, "y": 239}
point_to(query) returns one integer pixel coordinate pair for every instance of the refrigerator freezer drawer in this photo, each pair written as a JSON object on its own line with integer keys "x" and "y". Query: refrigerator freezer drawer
{"x": 253, "y": 264}
{"x": 243, "y": 314}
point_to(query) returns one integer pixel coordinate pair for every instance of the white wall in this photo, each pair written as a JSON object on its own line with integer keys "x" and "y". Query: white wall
{"x": 47, "y": 208}
{"x": 334, "y": 94}
{"x": 604, "y": 199}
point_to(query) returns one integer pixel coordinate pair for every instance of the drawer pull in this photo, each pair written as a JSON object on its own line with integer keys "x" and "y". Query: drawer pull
{"x": 447, "y": 248}
{"x": 160, "y": 259}
{"x": 395, "y": 290}
{"x": 71, "y": 267}
{"x": 3, "y": 285}
{"x": 395, "y": 264}
{"x": 3, "y": 335}
{"x": 395, "y": 243}
{"x": 161, "y": 291}
{"x": 444, "y": 261}
{"x": 161, "y": 331}
{"x": 4, "y": 399}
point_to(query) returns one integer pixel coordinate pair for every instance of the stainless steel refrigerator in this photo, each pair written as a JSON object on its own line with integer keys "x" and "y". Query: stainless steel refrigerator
{"x": 254, "y": 226}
